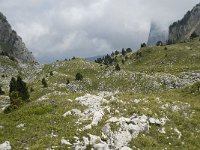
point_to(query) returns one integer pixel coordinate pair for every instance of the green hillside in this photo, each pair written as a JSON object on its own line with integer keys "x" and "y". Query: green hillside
{"x": 157, "y": 86}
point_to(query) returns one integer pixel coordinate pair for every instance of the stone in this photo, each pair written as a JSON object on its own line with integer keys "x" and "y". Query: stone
{"x": 67, "y": 113}
{"x": 20, "y": 125}
{"x": 65, "y": 142}
{"x": 5, "y": 146}
{"x": 125, "y": 148}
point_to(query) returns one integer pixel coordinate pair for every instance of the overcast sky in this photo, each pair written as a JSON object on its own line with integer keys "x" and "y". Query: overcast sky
{"x": 57, "y": 29}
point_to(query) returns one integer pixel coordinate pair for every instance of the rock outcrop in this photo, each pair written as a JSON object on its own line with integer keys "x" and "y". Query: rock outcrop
{"x": 157, "y": 34}
{"x": 182, "y": 29}
{"x": 11, "y": 44}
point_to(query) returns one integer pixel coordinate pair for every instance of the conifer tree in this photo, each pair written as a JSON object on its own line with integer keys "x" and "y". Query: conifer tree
{"x": 22, "y": 89}
{"x": 13, "y": 85}
{"x": 79, "y": 76}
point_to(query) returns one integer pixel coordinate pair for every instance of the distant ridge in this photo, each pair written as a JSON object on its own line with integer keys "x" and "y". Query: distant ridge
{"x": 94, "y": 57}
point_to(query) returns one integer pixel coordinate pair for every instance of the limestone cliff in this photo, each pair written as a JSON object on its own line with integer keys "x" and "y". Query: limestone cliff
{"x": 182, "y": 29}
{"x": 11, "y": 44}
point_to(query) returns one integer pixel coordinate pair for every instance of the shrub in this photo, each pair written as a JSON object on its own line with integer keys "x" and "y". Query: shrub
{"x": 31, "y": 90}
{"x": 44, "y": 83}
{"x": 117, "y": 67}
{"x": 159, "y": 43}
{"x": 68, "y": 81}
{"x": 51, "y": 73}
{"x": 143, "y": 45}
{"x": 79, "y": 77}
{"x": 116, "y": 52}
{"x": 193, "y": 35}
{"x": 13, "y": 85}
{"x": 128, "y": 50}
{"x": 123, "y": 61}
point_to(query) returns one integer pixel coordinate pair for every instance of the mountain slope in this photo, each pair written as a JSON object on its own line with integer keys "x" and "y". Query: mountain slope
{"x": 11, "y": 44}
{"x": 149, "y": 104}
{"x": 182, "y": 30}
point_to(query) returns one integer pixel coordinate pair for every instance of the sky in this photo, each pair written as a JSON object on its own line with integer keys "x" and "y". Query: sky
{"x": 59, "y": 29}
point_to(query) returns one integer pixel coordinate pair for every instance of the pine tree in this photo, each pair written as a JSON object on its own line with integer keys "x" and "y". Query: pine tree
{"x": 44, "y": 83}
{"x": 128, "y": 50}
{"x": 123, "y": 52}
{"x": 116, "y": 52}
{"x": 79, "y": 76}
{"x": 143, "y": 45}
{"x": 13, "y": 85}
{"x": 22, "y": 89}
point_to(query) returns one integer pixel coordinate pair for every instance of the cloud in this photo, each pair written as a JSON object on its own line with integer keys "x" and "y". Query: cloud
{"x": 65, "y": 28}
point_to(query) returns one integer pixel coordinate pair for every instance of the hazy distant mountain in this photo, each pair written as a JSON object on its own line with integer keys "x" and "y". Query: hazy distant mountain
{"x": 182, "y": 29}
{"x": 157, "y": 34}
{"x": 11, "y": 44}
{"x": 94, "y": 58}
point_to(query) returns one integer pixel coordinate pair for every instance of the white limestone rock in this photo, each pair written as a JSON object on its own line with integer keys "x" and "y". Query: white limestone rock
{"x": 5, "y": 146}
{"x": 65, "y": 142}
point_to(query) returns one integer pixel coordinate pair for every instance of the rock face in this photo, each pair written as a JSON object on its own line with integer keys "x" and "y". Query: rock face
{"x": 182, "y": 29}
{"x": 11, "y": 44}
{"x": 157, "y": 34}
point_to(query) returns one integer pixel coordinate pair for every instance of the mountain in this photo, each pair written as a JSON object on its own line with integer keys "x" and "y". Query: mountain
{"x": 151, "y": 102}
{"x": 182, "y": 29}
{"x": 157, "y": 34}
{"x": 11, "y": 44}
{"x": 94, "y": 58}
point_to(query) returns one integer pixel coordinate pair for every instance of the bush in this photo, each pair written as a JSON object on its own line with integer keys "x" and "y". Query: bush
{"x": 117, "y": 67}
{"x": 116, "y": 52}
{"x": 128, "y": 50}
{"x": 79, "y": 77}
{"x": 193, "y": 35}
{"x": 44, "y": 83}
{"x": 159, "y": 43}
{"x": 68, "y": 81}
{"x": 143, "y": 45}
{"x": 51, "y": 73}
{"x": 32, "y": 89}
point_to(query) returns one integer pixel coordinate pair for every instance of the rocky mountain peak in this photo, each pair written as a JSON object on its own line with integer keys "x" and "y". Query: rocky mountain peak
{"x": 11, "y": 44}
{"x": 182, "y": 29}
